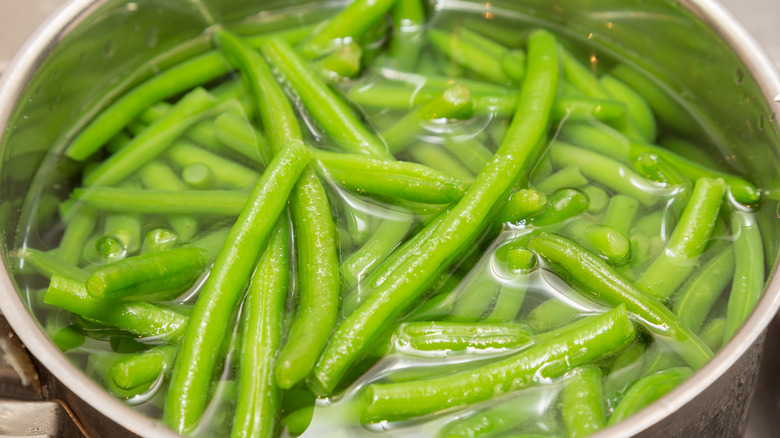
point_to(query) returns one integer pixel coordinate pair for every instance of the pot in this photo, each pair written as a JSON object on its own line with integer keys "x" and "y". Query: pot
{"x": 89, "y": 53}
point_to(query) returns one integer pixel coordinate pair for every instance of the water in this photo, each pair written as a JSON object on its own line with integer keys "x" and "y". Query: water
{"x": 477, "y": 275}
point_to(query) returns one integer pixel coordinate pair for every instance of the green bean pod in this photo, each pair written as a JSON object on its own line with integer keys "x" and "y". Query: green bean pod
{"x": 154, "y": 140}
{"x": 352, "y": 21}
{"x": 687, "y": 241}
{"x": 165, "y": 202}
{"x": 648, "y": 390}
{"x": 141, "y": 318}
{"x": 182, "y": 77}
{"x": 748, "y": 271}
{"x": 259, "y": 397}
{"x": 459, "y": 336}
{"x": 140, "y": 369}
{"x": 216, "y": 304}
{"x": 583, "y": 403}
{"x": 605, "y": 335}
{"x": 167, "y": 272}
{"x": 606, "y": 171}
{"x": 333, "y": 114}
{"x": 699, "y": 293}
{"x": 571, "y": 261}
{"x": 404, "y": 180}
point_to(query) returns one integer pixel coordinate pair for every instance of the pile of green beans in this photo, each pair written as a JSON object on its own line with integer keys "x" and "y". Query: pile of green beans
{"x": 390, "y": 222}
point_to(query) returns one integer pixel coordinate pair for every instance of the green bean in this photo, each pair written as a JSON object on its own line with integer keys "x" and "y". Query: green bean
{"x": 404, "y": 180}
{"x": 687, "y": 241}
{"x": 474, "y": 57}
{"x": 476, "y": 296}
{"x": 199, "y": 176}
{"x": 699, "y": 293}
{"x": 298, "y": 421}
{"x": 469, "y": 151}
{"x": 521, "y": 409}
{"x": 332, "y": 113}
{"x": 597, "y": 198}
{"x": 152, "y": 141}
{"x": 748, "y": 271}
{"x": 575, "y": 108}
{"x": 656, "y": 168}
{"x": 118, "y": 142}
{"x": 164, "y": 272}
{"x": 407, "y": 38}
{"x": 552, "y": 314}
{"x": 459, "y": 336}
{"x": 157, "y": 175}
{"x": 79, "y": 225}
{"x": 139, "y": 369}
{"x": 344, "y": 62}
{"x": 210, "y": 202}
{"x": 141, "y": 318}
{"x": 648, "y": 390}
{"x": 293, "y": 35}
{"x": 352, "y": 21}
{"x": 501, "y": 102}
{"x": 513, "y": 63}
{"x": 365, "y": 260}
{"x": 601, "y": 239}
{"x": 566, "y": 177}
{"x": 316, "y": 236}
{"x": 516, "y": 263}
{"x": 521, "y": 205}
{"x": 435, "y": 157}
{"x": 626, "y": 369}
{"x": 659, "y": 358}
{"x": 124, "y": 228}
{"x": 621, "y": 211}
{"x": 49, "y": 264}
{"x": 459, "y": 227}
{"x": 604, "y": 170}
{"x": 599, "y": 138}
{"x": 237, "y": 133}
{"x": 640, "y": 112}
{"x": 571, "y": 261}
{"x": 259, "y": 398}
{"x": 171, "y": 82}
{"x": 713, "y": 333}
{"x": 220, "y": 293}
{"x": 583, "y": 403}
{"x": 229, "y": 174}
{"x": 454, "y": 103}
{"x": 666, "y": 109}
{"x": 562, "y": 205}
{"x": 742, "y": 190}
{"x": 65, "y": 338}
{"x": 159, "y": 239}
{"x": 605, "y": 335}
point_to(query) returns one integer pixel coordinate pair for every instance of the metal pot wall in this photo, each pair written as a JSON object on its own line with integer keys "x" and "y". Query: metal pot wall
{"x": 90, "y": 52}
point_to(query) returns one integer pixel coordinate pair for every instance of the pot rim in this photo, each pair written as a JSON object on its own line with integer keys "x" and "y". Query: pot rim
{"x": 33, "y": 53}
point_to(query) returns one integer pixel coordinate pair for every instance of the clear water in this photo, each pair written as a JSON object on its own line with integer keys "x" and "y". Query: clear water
{"x": 357, "y": 216}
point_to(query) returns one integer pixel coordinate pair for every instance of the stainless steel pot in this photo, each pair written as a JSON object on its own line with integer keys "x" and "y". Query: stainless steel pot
{"x": 88, "y": 53}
